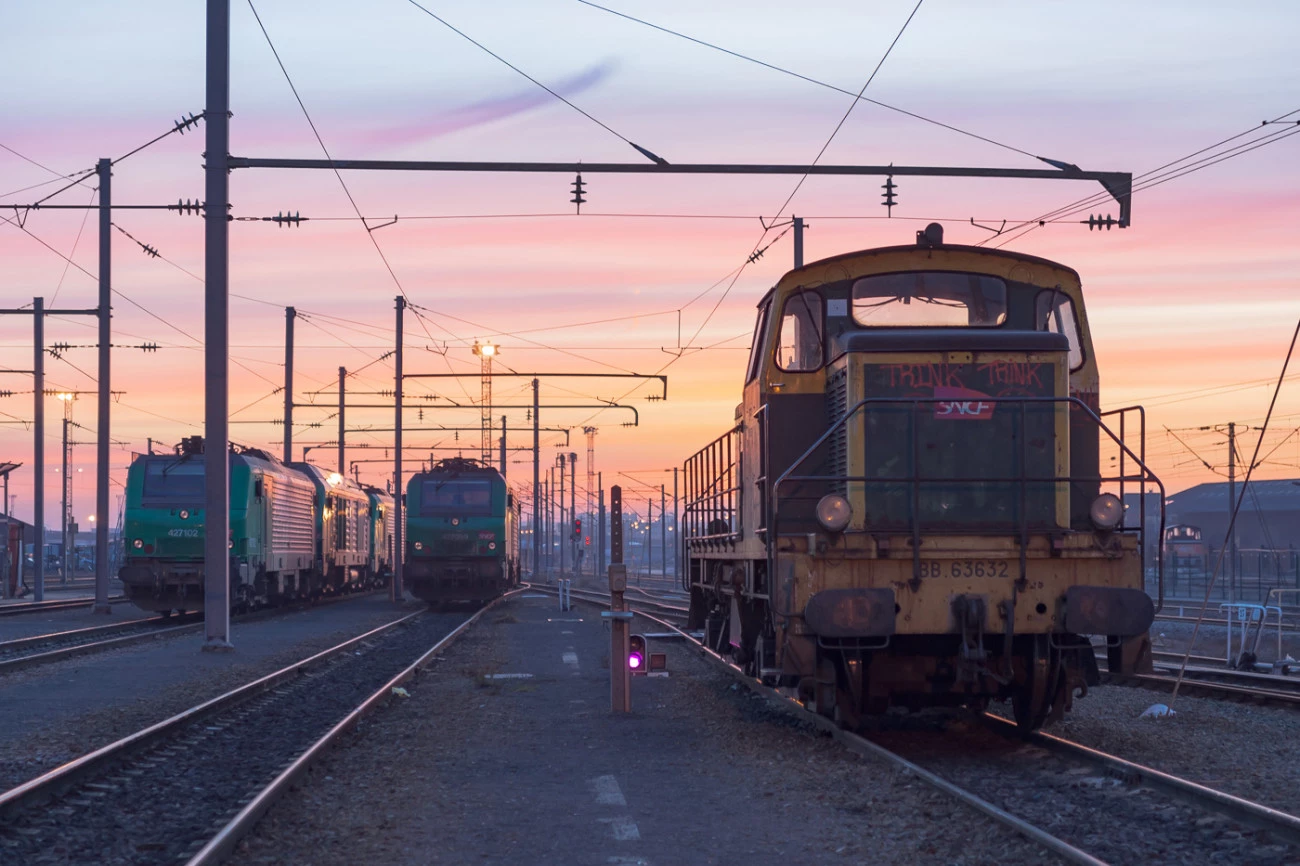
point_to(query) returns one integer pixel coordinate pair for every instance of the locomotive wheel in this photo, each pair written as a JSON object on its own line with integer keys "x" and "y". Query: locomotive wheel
{"x": 850, "y": 689}
{"x": 762, "y": 660}
{"x": 1033, "y": 698}
{"x": 824, "y": 688}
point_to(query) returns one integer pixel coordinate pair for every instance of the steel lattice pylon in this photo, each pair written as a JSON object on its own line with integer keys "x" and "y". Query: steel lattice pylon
{"x": 486, "y": 352}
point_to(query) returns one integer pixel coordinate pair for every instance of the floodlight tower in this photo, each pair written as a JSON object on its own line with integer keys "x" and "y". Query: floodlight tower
{"x": 486, "y": 352}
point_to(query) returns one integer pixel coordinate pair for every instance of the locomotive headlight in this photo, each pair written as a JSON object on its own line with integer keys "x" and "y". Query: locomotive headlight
{"x": 138, "y": 543}
{"x": 230, "y": 545}
{"x": 1106, "y": 511}
{"x": 834, "y": 512}
{"x": 185, "y": 515}
{"x": 492, "y": 545}
{"x": 419, "y": 546}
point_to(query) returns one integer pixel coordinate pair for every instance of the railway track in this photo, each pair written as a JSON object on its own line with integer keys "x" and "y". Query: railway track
{"x": 56, "y": 604}
{"x": 188, "y": 788}
{"x": 39, "y": 649}
{"x": 1226, "y": 685}
{"x": 57, "y": 646}
{"x": 1083, "y": 805}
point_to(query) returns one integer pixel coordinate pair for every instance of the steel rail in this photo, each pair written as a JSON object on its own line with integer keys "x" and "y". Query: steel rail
{"x": 862, "y": 746}
{"x": 63, "y": 778}
{"x": 1206, "y": 688}
{"x": 21, "y": 642}
{"x": 59, "y": 604}
{"x": 61, "y": 653}
{"x": 26, "y": 661}
{"x": 224, "y": 842}
{"x": 1248, "y": 812}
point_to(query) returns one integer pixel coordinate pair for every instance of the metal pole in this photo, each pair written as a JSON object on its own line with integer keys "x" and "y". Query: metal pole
{"x": 1232, "y": 505}
{"x": 400, "y": 550}
{"x": 38, "y": 458}
{"x": 289, "y": 315}
{"x": 560, "y": 534}
{"x": 63, "y": 524}
{"x": 503, "y": 446}
{"x": 677, "y": 533}
{"x": 105, "y": 170}
{"x": 663, "y": 530}
{"x": 343, "y": 467}
{"x": 216, "y": 332}
{"x": 649, "y": 536}
{"x": 536, "y": 480}
{"x": 600, "y": 526}
{"x": 573, "y": 506}
{"x": 798, "y": 241}
{"x": 620, "y": 680}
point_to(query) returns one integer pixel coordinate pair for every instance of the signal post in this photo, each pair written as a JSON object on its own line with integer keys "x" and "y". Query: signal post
{"x": 618, "y": 616}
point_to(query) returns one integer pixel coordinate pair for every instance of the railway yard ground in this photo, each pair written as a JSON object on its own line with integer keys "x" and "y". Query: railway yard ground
{"x": 58, "y": 711}
{"x": 503, "y": 750}
{"x": 506, "y": 752}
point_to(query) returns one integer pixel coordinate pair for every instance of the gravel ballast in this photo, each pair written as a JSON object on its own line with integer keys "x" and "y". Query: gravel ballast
{"x": 1246, "y": 750}
{"x": 162, "y": 804}
{"x": 60, "y": 711}
{"x": 476, "y": 767}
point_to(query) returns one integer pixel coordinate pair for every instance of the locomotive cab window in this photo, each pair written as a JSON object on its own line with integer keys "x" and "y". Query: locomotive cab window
{"x": 457, "y": 496}
{"x": 174, "y": 480}
{"x": 930, "y": 299}
{"x": 799, "y": 345}
{"x": 1054, "y": 312}
{"x": 756, "y": 347}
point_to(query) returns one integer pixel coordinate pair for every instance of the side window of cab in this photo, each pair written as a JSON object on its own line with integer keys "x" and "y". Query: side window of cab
{"x": 756, "y": 347}
{"x": 800, "y": 344}
{"x": 1054, "y": 313}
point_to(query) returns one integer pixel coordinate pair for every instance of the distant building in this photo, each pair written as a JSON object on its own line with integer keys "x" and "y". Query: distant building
{"x": 1269, "y": 517}
{"x": 1133, "y": 505}
{"x": 14, "y": 538}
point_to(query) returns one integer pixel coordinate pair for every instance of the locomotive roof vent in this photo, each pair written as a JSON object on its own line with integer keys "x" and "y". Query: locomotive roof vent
{"x": 930, "y": 236}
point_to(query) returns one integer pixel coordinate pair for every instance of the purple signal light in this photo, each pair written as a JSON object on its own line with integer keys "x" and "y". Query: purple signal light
{"x": 636, "y": 650}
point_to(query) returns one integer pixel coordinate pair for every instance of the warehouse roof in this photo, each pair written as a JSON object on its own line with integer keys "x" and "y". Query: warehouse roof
{"x": 1279, "y": 495}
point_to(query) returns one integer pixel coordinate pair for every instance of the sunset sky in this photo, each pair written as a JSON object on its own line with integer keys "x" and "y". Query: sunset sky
{"x": 1192, "y": 307}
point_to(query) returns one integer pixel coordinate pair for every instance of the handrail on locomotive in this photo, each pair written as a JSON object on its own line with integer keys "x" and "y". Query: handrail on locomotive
{"x": 1145, "y": 477}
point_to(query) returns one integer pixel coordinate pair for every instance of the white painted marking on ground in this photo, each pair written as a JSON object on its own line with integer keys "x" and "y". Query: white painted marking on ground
{"x": 509, "y": 676}
{"x": 623, "y": 828}
{"x": 549, "y": 619}
{"x": 570, "y": 659}
{"x": 566, "y": 632}
{"x": 628, "y": 861}
{"x": 607, "y": 791}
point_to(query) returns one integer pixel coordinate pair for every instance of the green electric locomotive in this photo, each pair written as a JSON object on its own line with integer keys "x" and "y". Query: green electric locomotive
{"x": 272, "y": 532}
{"x": 462, "y": 533}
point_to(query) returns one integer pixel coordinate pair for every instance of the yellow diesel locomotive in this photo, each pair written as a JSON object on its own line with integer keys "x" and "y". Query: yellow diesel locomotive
{"x": 921, "y": 503}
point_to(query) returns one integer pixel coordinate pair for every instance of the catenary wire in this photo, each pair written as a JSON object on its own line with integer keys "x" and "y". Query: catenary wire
{"x": 502, "y": 60}
{"x": 811, "y": 80}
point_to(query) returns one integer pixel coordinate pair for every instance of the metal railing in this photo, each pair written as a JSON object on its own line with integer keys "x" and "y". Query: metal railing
{"x": 714, "y": 499}
{"x": 915, "y": 479}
